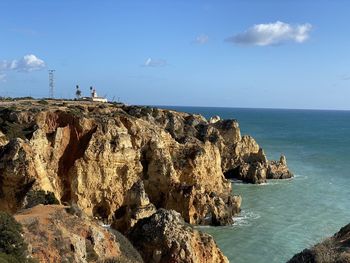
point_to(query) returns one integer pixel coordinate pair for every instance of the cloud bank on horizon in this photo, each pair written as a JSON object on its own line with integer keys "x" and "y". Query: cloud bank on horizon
{"x": 272, "y": 34}
{"x": 27, "y": 63}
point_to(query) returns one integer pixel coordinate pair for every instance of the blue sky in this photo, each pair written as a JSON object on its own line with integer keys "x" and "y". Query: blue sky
{"x": 247, "y": 53}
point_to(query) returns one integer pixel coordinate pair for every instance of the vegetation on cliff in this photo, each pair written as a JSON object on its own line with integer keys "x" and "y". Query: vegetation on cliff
{"x": 13, "y": 248}
{"x": 34, "y": 198}
{"x": 335, "y": 249}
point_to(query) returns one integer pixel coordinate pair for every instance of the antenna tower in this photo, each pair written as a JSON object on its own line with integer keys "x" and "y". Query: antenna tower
{"x": 51, "y": 82}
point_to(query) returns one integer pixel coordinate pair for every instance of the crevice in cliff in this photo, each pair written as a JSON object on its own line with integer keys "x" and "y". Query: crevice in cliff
{"x": 51, "y": 138}
{"x": 232, "y": 173}
{"x": 77, "y": 145}
{"x": 26, "y": 185}
{"x": 120, "y": 212}
{"x": 17, "y": 130}
{"x": 1, "y": 186}
{"x": 102, "y": 211}
{"x": 144, "y": 162}
{"x": 75, "y": 149}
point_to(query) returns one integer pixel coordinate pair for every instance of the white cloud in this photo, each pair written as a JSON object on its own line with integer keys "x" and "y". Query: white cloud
{"x": 28, "y": 63}
{"x": 201, "y": 39}
{"x": 272, "y": 34}
{"x": 151, "y": 62}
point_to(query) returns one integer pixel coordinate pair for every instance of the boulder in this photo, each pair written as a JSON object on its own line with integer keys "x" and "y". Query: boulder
{"x": 165, "y": 237}
{"x": 278, "y": 170}
{"x": 253, "y": 173}
{"x": 214, "y": 119}
{"x": 136, "y": 207}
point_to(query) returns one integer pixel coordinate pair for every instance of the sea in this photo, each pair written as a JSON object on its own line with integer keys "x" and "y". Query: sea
{"x": 283, "y": 217}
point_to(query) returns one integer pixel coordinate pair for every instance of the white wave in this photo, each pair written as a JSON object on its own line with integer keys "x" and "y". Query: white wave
{"x": 300, "y": 177}
{"x": 245, "y": 218}
{"x": 236, "y": 181}
{"x": 269, "y": 181}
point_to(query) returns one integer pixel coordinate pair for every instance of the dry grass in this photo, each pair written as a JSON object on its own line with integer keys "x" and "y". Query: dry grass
{"x": 326, "y": 251}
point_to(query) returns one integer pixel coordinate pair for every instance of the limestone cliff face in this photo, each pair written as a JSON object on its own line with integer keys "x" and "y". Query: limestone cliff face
{"x": 165, "y": 237}
{"x": 136, "y": 207}
{"x": 241, "y": 156}
{"x": 3, "y": 139}
{"x": 96, "y": 155}
{"x": 55, "y": 236}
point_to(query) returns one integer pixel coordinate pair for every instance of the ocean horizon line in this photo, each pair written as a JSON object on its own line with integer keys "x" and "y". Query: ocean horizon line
{"x": 245, "y": 108}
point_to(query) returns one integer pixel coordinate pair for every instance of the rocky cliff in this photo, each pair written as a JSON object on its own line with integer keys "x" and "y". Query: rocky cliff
{"x": 335, "y": 249}
{"x": 120, "y": 164}
{"x": 165, "y": 237}
{"x": 55, "y": 235}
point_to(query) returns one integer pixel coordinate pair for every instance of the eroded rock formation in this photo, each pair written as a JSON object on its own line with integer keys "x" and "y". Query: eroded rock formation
{"x": 124, "y": 165}
{"x": 165, "y": 237}
{"x": 3, "y": 139}
{"x": 241, "y": 156}
{"x": 214, "y": 119}
{"x": 94, "y": 155}
{"x": 57, "y": 236}
{"x": 136, "y": 207}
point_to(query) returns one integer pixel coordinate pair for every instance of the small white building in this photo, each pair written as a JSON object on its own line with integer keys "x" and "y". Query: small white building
{"x": 96, "y": 98}
{"x": 93, "y": 96}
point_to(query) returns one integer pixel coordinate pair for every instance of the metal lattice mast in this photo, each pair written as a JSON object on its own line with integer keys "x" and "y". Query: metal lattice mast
{"x": 51, "y": 83}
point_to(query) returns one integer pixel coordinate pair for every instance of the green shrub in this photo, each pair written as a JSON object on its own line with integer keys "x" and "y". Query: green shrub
{"x": 34, "y": 198}
{"x": 5, "y": 258}
{"x": 11, "y": 240}
{"x": 13, "y": 248}
{"x": 12, "y": 130}
{"x": 74, "y": 210}
{"x": 23, "y": 98}
{"x": 43, "y": 102}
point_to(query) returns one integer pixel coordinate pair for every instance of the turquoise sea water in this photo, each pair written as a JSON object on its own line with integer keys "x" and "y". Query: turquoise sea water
{"x": 283, "y": 217}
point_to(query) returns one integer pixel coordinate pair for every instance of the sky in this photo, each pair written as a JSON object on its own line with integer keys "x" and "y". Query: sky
{"x": 237, "y": 53}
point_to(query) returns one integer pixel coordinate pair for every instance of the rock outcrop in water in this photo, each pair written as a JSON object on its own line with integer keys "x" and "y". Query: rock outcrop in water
{"x": 121, "y": 164}
{"x": 241, "y": 156}
{"x": 335, "y": 249}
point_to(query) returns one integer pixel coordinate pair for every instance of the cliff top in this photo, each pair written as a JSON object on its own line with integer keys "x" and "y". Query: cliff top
{"x": 333, "y": 249}
{"x": 61, "y": 104}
